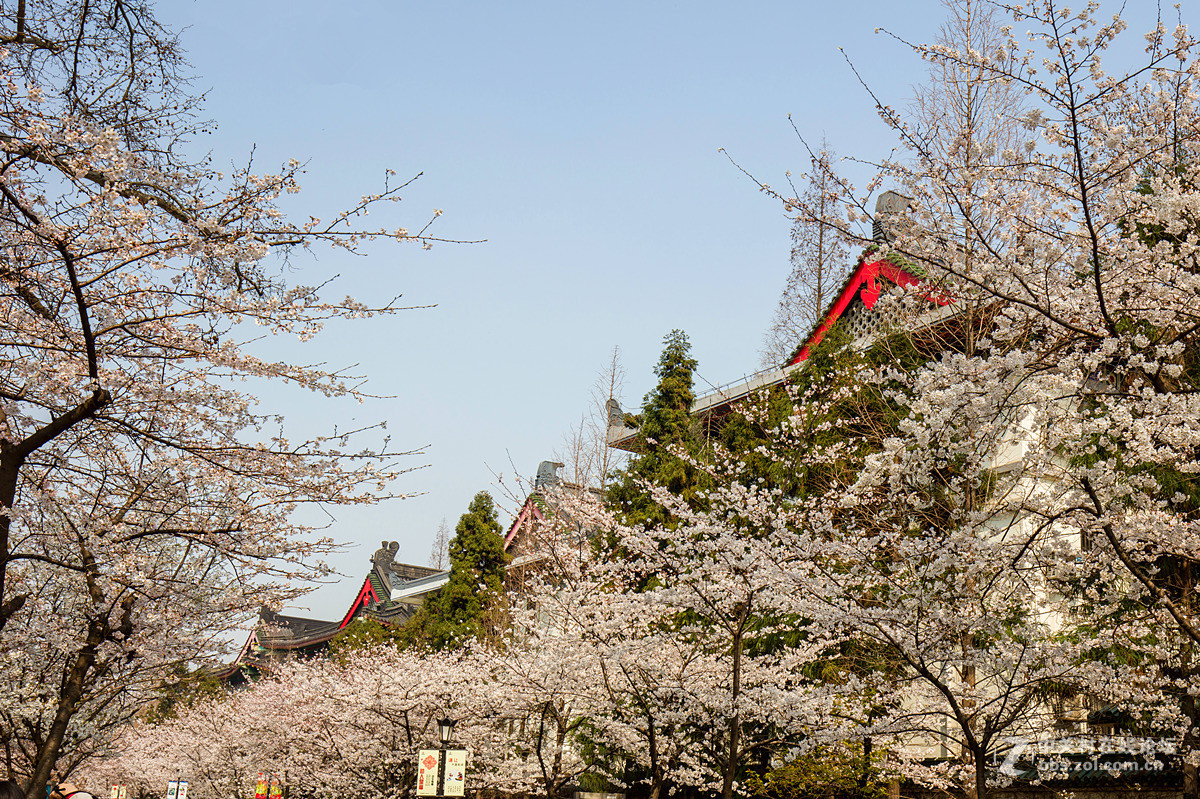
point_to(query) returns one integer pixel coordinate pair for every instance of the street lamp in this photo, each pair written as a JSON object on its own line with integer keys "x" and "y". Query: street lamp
{"x": 446, "y": 730}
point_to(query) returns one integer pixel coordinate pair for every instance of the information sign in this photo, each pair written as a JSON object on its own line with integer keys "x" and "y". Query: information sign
{"x": 427, "y": 772}
{"x": 121, "y": 792}
{"x": 182, "y": 790}
{"x": 173, "y": 789}
{"x": 456, "y": 771}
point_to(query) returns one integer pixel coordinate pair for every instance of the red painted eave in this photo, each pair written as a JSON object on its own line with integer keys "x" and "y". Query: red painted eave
{"x": 524, "y": 520}
{"x": 367, "y": 592}
{"x": 866, "y": 278}
{"x": 228, "y": 669}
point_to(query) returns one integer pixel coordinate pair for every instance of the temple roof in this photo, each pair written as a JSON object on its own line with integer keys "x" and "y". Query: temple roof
{"x": 277, "y": 631}
{"x": 413, "y": 592}
{"x": 854, "y": 306}
{"x": 858, "y": 296}
{"x": 390, "y": 593}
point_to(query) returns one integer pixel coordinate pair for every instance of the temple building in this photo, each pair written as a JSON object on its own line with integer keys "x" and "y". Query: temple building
{"x": 390, "y": 593}
{"x": 854, "y": 306}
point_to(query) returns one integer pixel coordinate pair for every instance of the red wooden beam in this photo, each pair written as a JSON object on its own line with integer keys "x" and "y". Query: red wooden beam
{"x": 523, "y": 521}
{"x": 368, "y": 590}
{"x": 865, "y": 277}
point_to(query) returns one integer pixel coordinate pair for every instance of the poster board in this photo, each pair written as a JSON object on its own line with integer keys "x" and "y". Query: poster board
{"x": 182, "y": 790}
{"x": 173, "y": 789}
{"x": 427, "y": 772}
{"x": 456, "y": 771}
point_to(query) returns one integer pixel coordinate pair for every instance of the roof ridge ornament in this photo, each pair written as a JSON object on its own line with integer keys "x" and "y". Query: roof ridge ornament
{"x": 547, "y": 474}
{"x": 385, "y": 563}
{"x": 889, "y": 207}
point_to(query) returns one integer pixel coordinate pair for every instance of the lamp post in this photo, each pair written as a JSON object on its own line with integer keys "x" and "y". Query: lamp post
{"x": 445, "y": 732}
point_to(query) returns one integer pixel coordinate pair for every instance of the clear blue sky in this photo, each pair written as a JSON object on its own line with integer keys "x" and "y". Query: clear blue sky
{"x": 581, "y": 141}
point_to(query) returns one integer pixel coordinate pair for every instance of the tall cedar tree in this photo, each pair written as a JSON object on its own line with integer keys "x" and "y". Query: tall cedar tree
{"x": 477, "y": 560}
{"x": 665, "y": 425}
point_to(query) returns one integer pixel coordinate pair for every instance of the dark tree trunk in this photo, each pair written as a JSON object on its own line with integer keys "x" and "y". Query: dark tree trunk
{"x": 74, "y": 681}
{"x": 864, "y": 778}
{"x": 732, "y": 755}
{"x": 1191, "y": 781}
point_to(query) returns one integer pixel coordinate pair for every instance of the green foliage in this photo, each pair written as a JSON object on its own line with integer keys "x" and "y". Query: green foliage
{"x": 596, "y": 783}
{"x": 752, "y": 431}
{"x": 783, "y": 435}
{"x": 467, "y": 606}
{"x": 365, "y": 633}
{"x": 666, "y": 423}
{"x": 665, "y": 411}
{"x": 841, "y": 772}
{"x": 188, "y": 687}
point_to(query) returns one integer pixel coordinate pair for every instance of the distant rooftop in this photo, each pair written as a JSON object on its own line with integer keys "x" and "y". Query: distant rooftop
{"x": 855, "y": 307}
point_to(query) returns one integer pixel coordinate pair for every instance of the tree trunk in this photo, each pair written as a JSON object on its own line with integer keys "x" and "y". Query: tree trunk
{"x": 981, "y": 767}
{"x": 74, "y": 682}
{"x": 10, "y": 466}
{"x": 1191, "y": 780}
{"x": 864, "y": 779}
{"x": 656, "y": 769}
{"x": 735, "y": 718}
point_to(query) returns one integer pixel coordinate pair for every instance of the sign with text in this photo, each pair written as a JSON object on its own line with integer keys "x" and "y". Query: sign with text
{"x": 427, "y": 772}
{"x": 456, "y": 772}
{"x": 173, "y": 789}
{"x": 182, "y": 790}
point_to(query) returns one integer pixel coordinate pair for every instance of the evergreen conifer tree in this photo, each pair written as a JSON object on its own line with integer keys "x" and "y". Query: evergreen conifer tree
{"x": 666, "y": 424}
{"x": 477, "y": 560}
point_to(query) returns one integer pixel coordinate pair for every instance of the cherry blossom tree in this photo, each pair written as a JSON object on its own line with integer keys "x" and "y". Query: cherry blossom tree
{"x": 148, "y": 503}
{"x": 654, "y": 710}
{"x": 353, "y": 726}
{"x": 920, "y": 553}
{"x": 1092, "y": 275}
{"x": 542, "y": 695}
{"x": 1061, "y": 412}
{"x": 676, "y": 684}
{"x": 684, "y": 627}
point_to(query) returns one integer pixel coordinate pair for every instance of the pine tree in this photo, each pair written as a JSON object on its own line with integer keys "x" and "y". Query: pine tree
{"x": 666, "y": 425}
{"x": 477, "y": 559}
